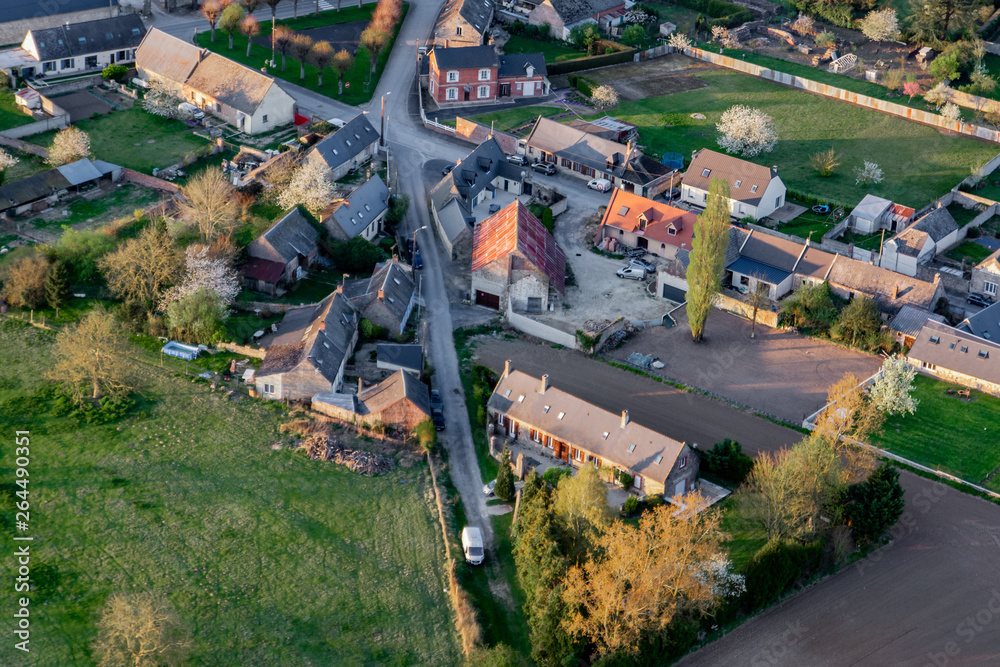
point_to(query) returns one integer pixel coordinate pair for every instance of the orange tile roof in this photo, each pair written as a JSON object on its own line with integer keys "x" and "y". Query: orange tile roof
{"x": 625, "y": 208}
{"x": 515, "y": 228}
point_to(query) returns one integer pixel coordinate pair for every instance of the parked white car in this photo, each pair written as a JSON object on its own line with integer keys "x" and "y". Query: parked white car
{"x": 599, "y": 184}
{"x": 632, "y": 272}
{"x": 188, "y": 110}
{"x": 472, "y": 545}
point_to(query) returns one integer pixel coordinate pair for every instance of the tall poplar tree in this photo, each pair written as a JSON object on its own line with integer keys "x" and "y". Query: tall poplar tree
{"x": 708, "y": 254}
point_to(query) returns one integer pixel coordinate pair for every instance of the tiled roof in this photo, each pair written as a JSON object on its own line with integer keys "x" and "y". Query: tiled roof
{"x": 395, "y": 284}
{"x": 911, "y": 242}
{"x": 284, "y": 240}
{"x": 765, "y": 272}
{"x": 625, "y": 209}
{"x": 345, "y": 143}
{"x": 319, "y": 336}
{"x": 958, "y": 351}
{"x": 889, "y": 289}
{"x": 515, "y": 228}
{"x": 170, "y": 57}
{"x": 16, "y": 10}
{"x": 575, "y": 421}
{"x": 397, "y": 387}
{"x": 991, "y": 263}
{"x": 815, "y": 263}
{"x": 753, "y": 179}
{"x": 88, "y": 37}
{"x": 910, "y": 319}
{"x": 473, "y": 175}
{"x": 464, "y": 57}
{"x": 772, "y": 250}
{"x": 356, "y": 212}
{"x": 231, "y": 83}
{"x": 984, "y": 324}
{"x": 574, "y": 144}
{"x": 263, "y": 269}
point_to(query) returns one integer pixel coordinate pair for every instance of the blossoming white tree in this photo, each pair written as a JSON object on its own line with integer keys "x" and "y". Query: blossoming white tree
{"x": 604, "y": 97}
{"x": 205, "y": 269}
{"x": 310, "y": 186}
{"x": 870, "y": 173}
{"x": 722, "y": 35}
{"x": 679, "y": 41}
{"x": 804, "y": 25}
{"x": 939, "y": 94}
{"x": 69, "y": 145}
{"x": 6, "y": 162}
{"x": 891, "y": 390}
{"x": 160, "y": 101}
{"x": 746, "y": 131}
{"x": 880, "y": 25}
{"x": 951, "y": 112}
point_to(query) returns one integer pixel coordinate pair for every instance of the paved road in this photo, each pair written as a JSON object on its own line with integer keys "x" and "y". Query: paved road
{"x": 692, "y": 418}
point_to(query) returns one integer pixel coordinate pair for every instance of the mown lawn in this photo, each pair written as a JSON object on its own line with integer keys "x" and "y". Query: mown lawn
{"x": 135, "y": 139}
{"x": 955, "y": 435}
{"x": 554, "y": 52}
{"x": 354, "y": 93}
{"x": 968, "y": 249}
{"x": 744, "y": 539}
{"x": 808, "y": 226}
{"x": 120, "y": 203}
{"x": 268, "y": 557}
{"x": 10, "y": 113}
{"x": 510, "y": 119}
{"x": 807, "y": 124}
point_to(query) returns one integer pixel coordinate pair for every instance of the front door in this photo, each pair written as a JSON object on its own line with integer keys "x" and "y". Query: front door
{"x": 529, "y": 88}
{"x": 487, "y": 299}
{"x": 504, "y": 90}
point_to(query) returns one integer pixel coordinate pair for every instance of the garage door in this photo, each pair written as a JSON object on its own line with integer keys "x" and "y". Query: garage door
{"x": 674, "y": 294}
{"x": 487, "y": 299}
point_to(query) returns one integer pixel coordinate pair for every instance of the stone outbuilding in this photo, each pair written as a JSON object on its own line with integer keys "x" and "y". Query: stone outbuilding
{"x": 401, "y": 400}
{"x": 280, "y": 256}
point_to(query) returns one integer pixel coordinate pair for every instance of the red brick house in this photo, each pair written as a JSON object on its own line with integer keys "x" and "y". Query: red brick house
{"x": 478, "y": 75}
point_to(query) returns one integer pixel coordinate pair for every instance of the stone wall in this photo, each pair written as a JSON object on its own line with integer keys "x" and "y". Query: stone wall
{"x": 147, "y": 181}
{"x": 766, "y": 317}
{"x": 24, "y": 146}
{"x": 253, "y": 352}
{"x": 539, "y": 330}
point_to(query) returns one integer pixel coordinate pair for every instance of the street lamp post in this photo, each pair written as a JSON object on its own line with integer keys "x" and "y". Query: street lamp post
{"x": 420, "y": 281}
{"x": 382, "y": 138}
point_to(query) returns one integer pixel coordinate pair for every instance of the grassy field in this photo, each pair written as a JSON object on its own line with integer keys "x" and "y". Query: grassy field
{"x": 510, "y": 119}
{"x": 864, "y": 241}
{"x": 269, "y": 558}
{"x": 962, "y": 215}
{"x": 807, "y": 124}
{"x": 120, "y": 203}
{"x": 744, "y": 540}
{"x": 974, "y": 251}
{"x": 955, "y": 435}
{"x": 10, "y": 113}
{"x": 355, "y": 93}
{"x": 135, "y": 139}
{"x": 807, "y": 226}
{"x": 554, "y": 52}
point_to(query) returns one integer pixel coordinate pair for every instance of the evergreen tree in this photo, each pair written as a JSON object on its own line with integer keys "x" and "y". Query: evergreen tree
{"x": 932, "y": 21}
{"x": 56, "y": 286}
{"x": 875, "y": 505}
{"x": 505, "y": 478}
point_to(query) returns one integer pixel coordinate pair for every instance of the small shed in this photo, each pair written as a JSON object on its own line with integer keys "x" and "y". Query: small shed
{"x": 394, "y": 357}
{"x": 926, "y": 55}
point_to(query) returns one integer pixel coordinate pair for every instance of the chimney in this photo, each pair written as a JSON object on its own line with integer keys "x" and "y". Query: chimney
{"x": 774, "y": 168}
{"x": 545, "y": 383}
{"x": 340, "y": 288}
{"x": 361, "y": 385}
{"x": 322, "y": 325}
{"x": 624, "y": 418}
{"x": 895, "y": 291}
{"x": 381, "y": 295}
{"x": 506, "y": 368}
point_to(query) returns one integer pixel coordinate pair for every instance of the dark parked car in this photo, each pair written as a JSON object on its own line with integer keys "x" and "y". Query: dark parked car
{"x": 436, "y": 402}
{"x": 977, "y": 299}
{"x": 438, "y": 418}
{"x": 447, "y": 170}
{"x": 517, "y": 159}
{"x": 417, "y": 262}
{"x": 544, "y": 167}
{"x": 638, "y": 262}
{"x": 672, "y": 193}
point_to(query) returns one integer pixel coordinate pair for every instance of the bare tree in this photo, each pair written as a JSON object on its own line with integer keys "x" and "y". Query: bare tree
{"x": 299, "y": 48}
{"x": 94, "y": 354}
{"x": 212, "y": 10}
{"x": 141, "y": 630}
{"x": 250, "y": 27}
{"x": 282, "y": 38}
{"x": 69, "y": 145}
{"x": 273, "y": 4}
{"x": 759, "y": 297}
{"x": 210, "y": 202}
{"x": 23, "y": 280}
{"x": 850, "y": 416}
{"x": 142, "y": 268}
{"x": 250, "y": 5}
{"x": 320, "y": 57}
{"x": 342, "y": 64}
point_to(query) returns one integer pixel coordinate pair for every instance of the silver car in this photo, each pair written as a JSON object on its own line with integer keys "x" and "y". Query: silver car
{"x": 639, "y": 263}
{"x": 631, "y": 272}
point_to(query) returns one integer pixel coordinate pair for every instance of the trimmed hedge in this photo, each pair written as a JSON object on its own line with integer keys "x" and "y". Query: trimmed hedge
{"x": 590, "y": 62}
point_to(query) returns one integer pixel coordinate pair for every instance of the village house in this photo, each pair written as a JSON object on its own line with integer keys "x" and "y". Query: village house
{"x": 516, "y": 263}
{"x": 72, "y": 48}
{"x": 401, "y": 400}
{"x": 908, "y": 322}
{"x": 874, "y": 213}
{"x": 918, "y": 243}
{"x": 463, "y": 23}
{"x": 588, "y": 156}
{"x": 407, "y": 357}
{"x": 42, "y": 190}
{"x": 754, "y": 191}
{"x": 891, "y": 291}
{"x": 477, "y": 75}
{"x": 986, "y": 276}
{"x": 564, "y": 15}
{"x": 608, "y": 128}
{"x": 985, "y": 324}
{"x": 638, "y": 222}
{"x": 17, "y": 17}
{"x": 360, "y": 213}
{"x": 387, "y": 298}
{"x": 462, "y": 197}
{"x": 308, "y": 354}
{"x": 531, "y": 412}
{"x": 348, "y": 148}
{"x": 280, "y": 256}
{"x": 957, "y": 356}
{"x": 246, "y": 98}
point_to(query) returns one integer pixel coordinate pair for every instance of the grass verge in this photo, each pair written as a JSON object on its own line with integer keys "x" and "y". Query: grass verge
{"x": 11, "y": 115}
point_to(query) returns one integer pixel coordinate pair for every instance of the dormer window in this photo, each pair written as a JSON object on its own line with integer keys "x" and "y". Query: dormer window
{"x": 671, "y": 230}
{"x": 983, "y": 354}
{"x": 484, "y": 75}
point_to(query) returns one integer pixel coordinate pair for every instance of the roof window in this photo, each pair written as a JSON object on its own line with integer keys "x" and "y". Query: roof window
{"x": 604, "y": 436}
{"x": 396, "y": 280}
{"x": 561, "y": 415}
{"x": 391, "y": 300}
{"x": 631, "y": 448}
{"x": 83, "y": 40}
{"x": 658, "y": 459}
{"x": 935, "y": 339}
{"x": 520, "y": 399}
{"x": 135, "y": 31}
{"x": 986, "y": 335}
{"x": 739, "y": 183}
{"x": 753, "y": 188}
{"x": 706, "y": 172}
{"x": 623, "y": 210}
{"x": 983, "y": 354}
{"x": 506, "y": 393}
{"x": 964, "y": 348}
{"x": 546, "y": 409}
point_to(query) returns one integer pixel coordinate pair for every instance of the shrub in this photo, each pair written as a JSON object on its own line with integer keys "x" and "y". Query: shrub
{"x": 776, "y": 567}
{"x": 426, "y": 435}
{"x": 583, "y": 86}
{"x": 114, "y": 72}
{"x": 859, "y": 323}
{"x": 370, "y": 331}
{"x": 873, "y": 506}
{"x": 504, "y": 488}
{"x": 655, "y": 501}
{"x": 625, "y": 481}
{"x": 726, "y": 459}
{"x": 631, "y": 505}
{"x": 553, "y": 475}
{"x": 547, "y": 219}
{"x": 810, "y": 306}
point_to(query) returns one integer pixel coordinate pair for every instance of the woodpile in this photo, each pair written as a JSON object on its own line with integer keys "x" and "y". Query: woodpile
{"x": 320, "y": 448}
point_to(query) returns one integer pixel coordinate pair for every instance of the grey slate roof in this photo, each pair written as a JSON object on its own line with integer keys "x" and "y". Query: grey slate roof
{"x": 15, "y": 10}
{"x": 407, "y": 356}
{"x": 396, "y": 285}
{"x": 80, "y": 39}
{"x": 732, "y": 169}
{"x": 772, "y": 251}
{"x": 81, "y": 171}
{"x": 473, "y": 175}
{"x": 910, "y": 319}
{"x": 319, "y": 336}
{"x": 350, "y": 140}
{"x": 357, "y": 211}
{"x": 984, "y": 324}
{"x": 32, "y": 188}
{"x": 765, "y": 272}
{"x": 958, "y": 351}
{"x": 287, "y": 238}
{"x": 465, "y": 57}
{"x": 476, "y": 12}
{"x": 737, "y": 236}
{"x": 938, "y": 224}
{"x": 871, "y": 207}
{"x": 515, "y": 64}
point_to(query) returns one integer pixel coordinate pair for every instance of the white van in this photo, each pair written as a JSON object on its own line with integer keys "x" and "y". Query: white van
{"x": 140, "y": 83}
{"x": 189, "y": 110}
{"x": 472, "y": 545}
{"x": 599, "y": 184}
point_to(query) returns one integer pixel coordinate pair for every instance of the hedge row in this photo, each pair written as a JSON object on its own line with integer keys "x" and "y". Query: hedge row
{"x": 590, "y": 62}
{"x": 725, "y": 13}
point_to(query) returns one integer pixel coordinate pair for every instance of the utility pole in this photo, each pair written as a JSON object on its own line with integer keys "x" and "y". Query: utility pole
{"x": 272, "y": 40}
